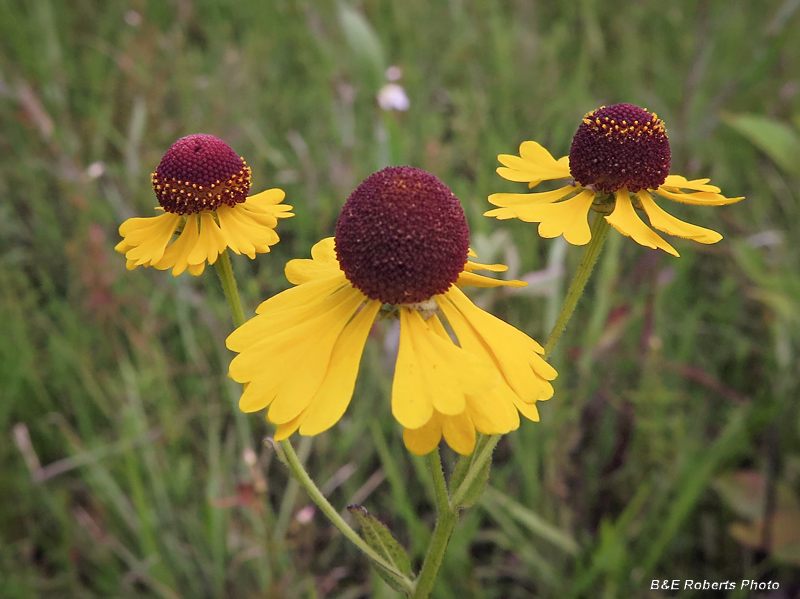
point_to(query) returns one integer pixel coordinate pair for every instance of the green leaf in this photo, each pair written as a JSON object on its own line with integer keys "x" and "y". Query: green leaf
{"x": 776, "y": 139}
{"x": 379, "y": 537}
{"x": 497, "y": 501}
{"x": 364, "y": 44}
{"x": 475, "y": 490}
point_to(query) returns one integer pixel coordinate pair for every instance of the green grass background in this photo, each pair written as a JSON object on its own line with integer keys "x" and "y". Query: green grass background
{"x": 125, "y": 467}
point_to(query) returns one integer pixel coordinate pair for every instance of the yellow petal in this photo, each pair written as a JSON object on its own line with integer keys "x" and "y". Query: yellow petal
{"x": 470, "y": 279}
{"x": 301, "y": 270}
{"x": 568, "y": 218}
{"x": 287, "y": 429}
{"x": 305, "y": 293}
{"x": 333, "y": 397}
{"x": 176, "y": 255}
{"x": 267, "y": 198}
{"x": 267, "y": 203}
{"x": 515, "y": 354}
{"x": 493, "y": 412}
{"x": 663, "y": 221}
{"x": 501, "y": 213}
{"x": 535, "y": 163}
{"x": 146, "y": 239}
{"x": 325, "y": 250}
{"x": 681, "y": 182}
{"x": 323, "y": 264}
{"x": 313, "y": 357}
{"x": 269, "y": 337}
{"x": 282, "y": 311}
{"x": 259, "y": 392}
{"x": 241, "y": 232}
{"x": 535, "y": 153}
{"x": 431, "y": 371}
{"x": 459, "y": 432}
{"x": 411, "y": 405}
{"x": 274, "y": 342}
{"x": 514, "y": 200}
{"x": 625, "y": 220}
{"x": 270, "y": 352}
{"x": 424, "y": 439}
{"x": 510, "y": 174}
{"x": 442, "y": 378}
{"x": 703, "y": 194}
{"x": 210, "y": 244}
{"x": 479, "y": 319}
{"x": 472, "y": 266}
{"x": 529, "y": 410}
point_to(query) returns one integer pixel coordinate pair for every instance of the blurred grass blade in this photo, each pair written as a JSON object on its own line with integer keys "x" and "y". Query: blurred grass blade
{"x": 365, "y": 45}
{"x": 776, "y": 139}
{"x": 493, "y": 500}
{"x": 691, "y": 485}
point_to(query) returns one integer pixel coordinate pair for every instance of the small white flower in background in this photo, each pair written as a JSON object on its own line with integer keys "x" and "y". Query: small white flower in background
{"x": 392, "y": 96}
{"x": 133, "y": 18}
{"x": 394, "y": 73}
{"x": 95, "y": 170}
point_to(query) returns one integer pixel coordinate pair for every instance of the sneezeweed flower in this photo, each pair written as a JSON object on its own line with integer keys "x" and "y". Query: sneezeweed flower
{"x": 402, "y": 248}
{"x": 620, "y": 157}
{"x": 202, "y": 186}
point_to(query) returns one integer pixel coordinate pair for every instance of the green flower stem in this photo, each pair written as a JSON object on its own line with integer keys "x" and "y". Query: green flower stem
{"x": 445, "y": 524}
{"x": 591, "y": 252}
{"x": 285, "y": 450}
{"x": 225, "y": 272}
{"x": 439, "y": 484}
{"x": 447, "y": 513}
{"x": 289, "y": 457}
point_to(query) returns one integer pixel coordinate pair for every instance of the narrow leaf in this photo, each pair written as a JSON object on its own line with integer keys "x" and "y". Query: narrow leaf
{"x": 378, "y": 536}
{"x": 365, "y": 45}
{"x": 497, "y": 501}
{"x": 776, "y": 139}
{"x": 464, "y": 465}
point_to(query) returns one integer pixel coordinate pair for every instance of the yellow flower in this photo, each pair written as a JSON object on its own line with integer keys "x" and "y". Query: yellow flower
{"x": 619, "y": 158}
{"x": 401, "y": 247}
{"x": 202, "y": 186}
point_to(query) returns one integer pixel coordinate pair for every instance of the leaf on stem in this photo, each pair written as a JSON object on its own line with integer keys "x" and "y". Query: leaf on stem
{"x": 473, "y": 492}
{"x": 378, "y": 536}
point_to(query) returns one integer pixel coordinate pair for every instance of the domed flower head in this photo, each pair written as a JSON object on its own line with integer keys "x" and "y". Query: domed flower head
{"x": 202, "y": 186}
{"x": 619, "y": 159}
{"x": 401, "y": 247}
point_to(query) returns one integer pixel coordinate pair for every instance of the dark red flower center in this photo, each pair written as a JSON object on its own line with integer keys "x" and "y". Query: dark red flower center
{"x": 200, "y": 172}
{"x": 620, "y": 146}
{"x": 402, "y": 236}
